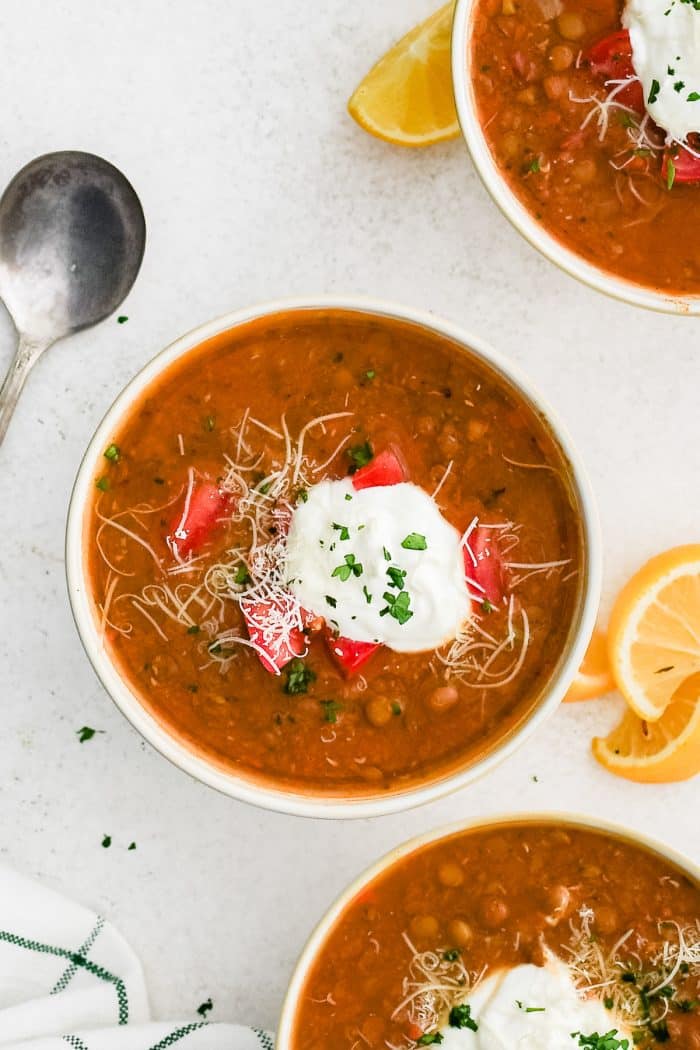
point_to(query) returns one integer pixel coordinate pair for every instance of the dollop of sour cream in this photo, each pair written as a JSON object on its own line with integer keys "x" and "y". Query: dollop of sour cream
{"x": 531, "y": 1008}
{"x": 665, "y": 39}
{"x": 348, "y": 550}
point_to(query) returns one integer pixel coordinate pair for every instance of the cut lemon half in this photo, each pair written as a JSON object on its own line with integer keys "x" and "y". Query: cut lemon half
{"x": 594, "y": 676}
{"x": 657, "y": 752}
{"x": 654, "y": 632}
{"x": 407, "y": 97}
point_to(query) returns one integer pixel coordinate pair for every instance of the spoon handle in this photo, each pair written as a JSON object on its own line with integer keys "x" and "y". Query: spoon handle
{"x": 26, "y": 355}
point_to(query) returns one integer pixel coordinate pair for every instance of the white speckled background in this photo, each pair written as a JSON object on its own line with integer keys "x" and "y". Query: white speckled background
{"x": 229, "y": 118}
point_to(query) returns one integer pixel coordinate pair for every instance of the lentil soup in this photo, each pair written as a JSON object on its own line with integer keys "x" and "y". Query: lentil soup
{"x": 343, "y": 648}
{"x": 543, "y": 932}
{"x": 578, "y": 131}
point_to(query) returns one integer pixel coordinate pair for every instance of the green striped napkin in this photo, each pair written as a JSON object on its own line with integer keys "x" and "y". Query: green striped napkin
{"x": 68, "y": 979}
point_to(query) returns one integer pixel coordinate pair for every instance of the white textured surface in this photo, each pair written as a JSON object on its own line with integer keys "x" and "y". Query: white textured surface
{"x": 228, "y": 116}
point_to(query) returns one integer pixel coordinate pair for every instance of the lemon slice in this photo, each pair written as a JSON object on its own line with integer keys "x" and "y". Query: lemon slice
{"x": 654, "y": 632}
{"x": 407, "y": 98}
{"x": 594, "y": 676}
{"x": 657, "y": 752}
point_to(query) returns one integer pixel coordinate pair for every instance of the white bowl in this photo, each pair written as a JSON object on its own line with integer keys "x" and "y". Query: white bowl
{"x": 236, "y": 784}
{"x": 513, "y": 209}
{"x": 319, "y": 935}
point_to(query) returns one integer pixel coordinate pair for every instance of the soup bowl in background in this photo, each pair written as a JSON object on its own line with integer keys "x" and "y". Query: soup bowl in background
{"x": 283, "y": 797}
{"x": 497, "y": 185}
{"x": 286, "y": 1038}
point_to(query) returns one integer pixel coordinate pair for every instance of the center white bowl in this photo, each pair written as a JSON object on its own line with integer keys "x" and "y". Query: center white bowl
{"x": 236, "y": 784}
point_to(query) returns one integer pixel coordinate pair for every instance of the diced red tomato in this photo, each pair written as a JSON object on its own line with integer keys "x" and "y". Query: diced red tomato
{"x": 267, "y": 624}
{"x": 349, "y": 655}
{"x": 686, "y": 166}
{"x": 611, "y": 59}
{"x": 198, "y": 518}
{"x": 387, "y": 468}
{"x": 489, "y": 571}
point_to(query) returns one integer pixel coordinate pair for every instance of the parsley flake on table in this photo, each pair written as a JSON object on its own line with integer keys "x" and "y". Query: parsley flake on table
{"x": 204, "y": 1008}
{"x": 87, "y": 733}
{"x": 343, "y": 530}
{"x": 106, "y": 841}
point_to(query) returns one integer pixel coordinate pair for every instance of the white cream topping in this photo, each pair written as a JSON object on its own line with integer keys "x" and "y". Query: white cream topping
{"x": 373, "y": 529}
{"x": 665, "y": 38}
{"x": 531, "y": 1008}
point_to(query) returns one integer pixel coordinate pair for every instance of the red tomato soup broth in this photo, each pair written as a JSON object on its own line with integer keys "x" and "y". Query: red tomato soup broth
{"x": 567, "y": 122}
{"x": 409, "y": 960}
{"x": 199, "y": 495}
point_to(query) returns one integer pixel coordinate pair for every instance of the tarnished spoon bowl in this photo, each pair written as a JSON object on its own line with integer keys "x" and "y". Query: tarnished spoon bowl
{"x": 72, "y": 237}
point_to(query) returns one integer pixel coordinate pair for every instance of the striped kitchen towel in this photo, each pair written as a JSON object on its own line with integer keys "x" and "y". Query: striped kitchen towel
{"x": 68, "y": 979}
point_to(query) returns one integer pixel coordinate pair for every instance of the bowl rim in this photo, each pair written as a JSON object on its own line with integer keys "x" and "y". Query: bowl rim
{"x": 318, "y": 935}
{"x": 567, "y": 260}
{"x": 237, "y": 786}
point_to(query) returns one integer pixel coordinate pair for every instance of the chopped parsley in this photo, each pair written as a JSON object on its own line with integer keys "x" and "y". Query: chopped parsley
{"x": 302, "y": 496}
{"x": 241, "y": 575}
{"x": 414, "y": 542}
{"x": 352, "y": 567}
{"x": 106, "y": 841}
{"x": 451, "y": 955}
{"x": 653, "y": 95}
{"x": 87, "y": 733}
{"x": 670, "y": 179}
{"x": 360, "y": 455}
{"x": 343, "y": 530}
{"x": 209, "y": 423}
{"x": 694, "y": 96}
{"x": 299, "y": 678}
{"x": 429, "y": 1039}
{"x": 397, "y": 605}
{"x": 387, "y": 556}
{"x": 461, "y": 1017}
{"x": 679, "y": 85}
{"x": 368, "y": 596}
{"x": 204, "y": 1008}
{"x": 330, "y": 600}
{"x": 194, "y": 629}
{"x": 122, "y": 319}
{"x": 397, "y": 577}
{"x": 534, "y": 165}
{"x": 370, "y": 373}
{"x": 131, "y": 846}
{"x": 348, "y": 497}
{"x": 112, "y": 453}
{"x": 331, "y": 710}
{"x": 529, "y": 1009}
{"x": 396, "y": 709}
{"x": 486, "y": 606}
{"x": 102, "y": 484}
{"x": 609, "y": 1041}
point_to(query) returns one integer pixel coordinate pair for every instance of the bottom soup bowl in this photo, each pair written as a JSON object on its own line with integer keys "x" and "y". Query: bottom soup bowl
{"x": 557, "y": 929}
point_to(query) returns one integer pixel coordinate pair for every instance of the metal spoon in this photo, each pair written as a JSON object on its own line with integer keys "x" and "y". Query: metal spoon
{"x": 72, "y": 237}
